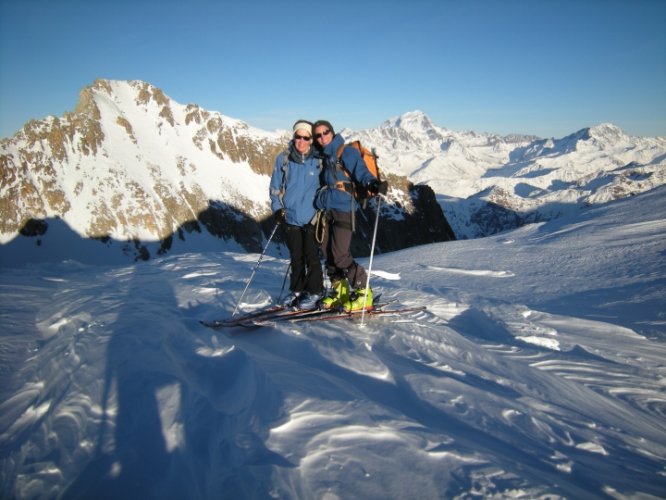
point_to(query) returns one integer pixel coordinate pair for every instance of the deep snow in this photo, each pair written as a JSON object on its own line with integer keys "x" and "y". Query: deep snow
{"x": 538, "y": 371}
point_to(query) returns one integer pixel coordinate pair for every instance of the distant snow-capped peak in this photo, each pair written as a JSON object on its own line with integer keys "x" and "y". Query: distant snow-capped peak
{"x": 412, "y": 121}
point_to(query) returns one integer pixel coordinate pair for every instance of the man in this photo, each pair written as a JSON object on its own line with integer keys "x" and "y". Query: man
{"x": 335, "y": 198}
{"x": 293, "y": 185}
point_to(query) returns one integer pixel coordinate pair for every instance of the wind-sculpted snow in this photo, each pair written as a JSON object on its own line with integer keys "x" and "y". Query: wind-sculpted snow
{"x": 537, "y": 371}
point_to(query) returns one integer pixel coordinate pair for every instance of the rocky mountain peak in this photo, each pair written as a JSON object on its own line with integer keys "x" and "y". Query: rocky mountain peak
{"x": 138, "y": 171}
{"x": 414, "y": 121}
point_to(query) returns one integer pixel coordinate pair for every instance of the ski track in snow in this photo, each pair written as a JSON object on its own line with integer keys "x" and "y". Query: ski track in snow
{"x": 535, "y": 385}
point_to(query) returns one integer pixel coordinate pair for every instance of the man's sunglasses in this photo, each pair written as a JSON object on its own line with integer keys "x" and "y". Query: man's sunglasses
{"x": 324, "y": 133}
{"x": 302, "y": 137}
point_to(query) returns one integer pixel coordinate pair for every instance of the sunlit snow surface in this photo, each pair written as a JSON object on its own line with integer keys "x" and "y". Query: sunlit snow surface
{"x": 538, "y": 371}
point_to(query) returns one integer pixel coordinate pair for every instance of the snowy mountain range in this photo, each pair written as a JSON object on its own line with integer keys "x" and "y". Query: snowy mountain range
{"x": 488, "y": 183}
{"x": 140, "y": 173}
{"x": 134, "y": 170}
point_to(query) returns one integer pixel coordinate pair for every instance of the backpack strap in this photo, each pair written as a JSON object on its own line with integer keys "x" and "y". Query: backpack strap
{"x": 283, "y": 186}
{"x": 348, "y": 185}
{"x": 339, "y": 162}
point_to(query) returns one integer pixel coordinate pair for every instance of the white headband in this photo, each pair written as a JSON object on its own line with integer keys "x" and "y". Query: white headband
{"x": 303, "y": 125}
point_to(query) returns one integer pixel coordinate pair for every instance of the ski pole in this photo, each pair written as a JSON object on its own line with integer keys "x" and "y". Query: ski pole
{"x": 284, "y": 282}
{"x": 372, "y": 253}
{"x": 256, "y": 267}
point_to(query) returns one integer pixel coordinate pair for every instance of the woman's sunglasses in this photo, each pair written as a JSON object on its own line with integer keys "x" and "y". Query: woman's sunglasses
{"x": 324, "y": 133}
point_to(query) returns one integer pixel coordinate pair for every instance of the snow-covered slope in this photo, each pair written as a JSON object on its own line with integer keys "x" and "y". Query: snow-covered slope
{"x": 538, "y": 371}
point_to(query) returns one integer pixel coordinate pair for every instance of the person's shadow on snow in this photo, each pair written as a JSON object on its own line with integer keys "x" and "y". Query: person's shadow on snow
{"x": 133, "y": 459}
{"x": 176, "y": 423}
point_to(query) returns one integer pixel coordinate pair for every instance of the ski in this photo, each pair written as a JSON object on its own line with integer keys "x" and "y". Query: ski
{"x": 234, "y": 321}
{"x": 376, "y": 311}
{"x": 273, "y": 313}
{"x": 328, "y": 314}
{"x": 296, "y": 314}
{"x": 283, "y": 316}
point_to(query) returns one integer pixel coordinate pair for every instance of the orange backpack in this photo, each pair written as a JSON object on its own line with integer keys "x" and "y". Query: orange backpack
{"x": 370, "y": 159}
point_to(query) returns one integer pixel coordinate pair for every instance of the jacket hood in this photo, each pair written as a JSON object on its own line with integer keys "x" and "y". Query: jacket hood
{"x": 331, "y": 149}
{"x": 294, "y": 154}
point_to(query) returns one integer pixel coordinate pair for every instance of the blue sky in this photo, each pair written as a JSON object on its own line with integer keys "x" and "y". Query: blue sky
{"x": 543, "y": 67}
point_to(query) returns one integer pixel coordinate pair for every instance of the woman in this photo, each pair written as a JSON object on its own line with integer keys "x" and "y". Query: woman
{"x": 293, "y": 185}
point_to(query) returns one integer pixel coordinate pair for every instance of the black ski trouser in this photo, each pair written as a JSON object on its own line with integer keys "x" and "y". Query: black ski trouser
{"x": 336, "y": 247}
{"x": 306, "y": 274}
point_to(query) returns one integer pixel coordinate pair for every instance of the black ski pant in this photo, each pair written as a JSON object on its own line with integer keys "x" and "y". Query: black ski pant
{"x": 336, "y": 247}
{"x": 306, "y": 274}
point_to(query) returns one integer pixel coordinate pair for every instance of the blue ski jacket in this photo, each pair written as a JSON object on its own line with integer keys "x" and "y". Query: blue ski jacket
{"x": 332, "y": 195}
{"x": 294, "y": 183}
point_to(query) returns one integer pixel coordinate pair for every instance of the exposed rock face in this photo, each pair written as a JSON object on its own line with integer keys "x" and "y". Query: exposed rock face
{"x": 131, "y": 165}
{"x": 420, "y": 222}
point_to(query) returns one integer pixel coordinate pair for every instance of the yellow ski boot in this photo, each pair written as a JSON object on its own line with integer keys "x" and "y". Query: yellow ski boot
{"x": 337, "y": 296}
{"x": 359, "y": 300}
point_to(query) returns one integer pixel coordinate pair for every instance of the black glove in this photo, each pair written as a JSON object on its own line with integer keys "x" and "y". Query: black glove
{"x": 376, "y": 187}
{"x": 278, "y": 216}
